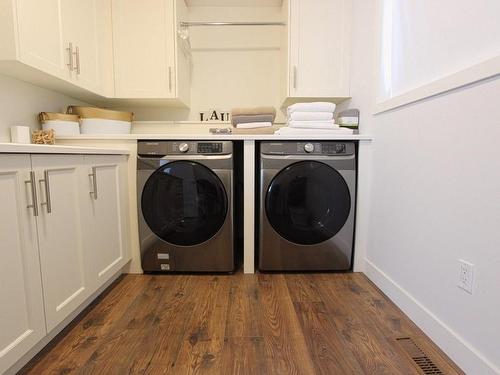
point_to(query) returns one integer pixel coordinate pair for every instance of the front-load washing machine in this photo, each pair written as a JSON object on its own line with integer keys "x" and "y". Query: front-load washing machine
{"x": 185, "y": 199}
{"x": 307, "y": 206}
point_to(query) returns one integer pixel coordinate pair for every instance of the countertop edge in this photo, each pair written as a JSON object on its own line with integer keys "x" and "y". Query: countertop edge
{"x": 21, "y": 148}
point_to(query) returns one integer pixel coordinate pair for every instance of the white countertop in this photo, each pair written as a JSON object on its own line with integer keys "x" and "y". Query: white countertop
{"x": 208, "y": 136}
{"x": 20, "y": 148}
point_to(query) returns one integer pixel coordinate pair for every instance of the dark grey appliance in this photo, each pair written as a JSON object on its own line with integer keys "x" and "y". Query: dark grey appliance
{"x": 307, "y": 205}
{"x": 185, "y": 199}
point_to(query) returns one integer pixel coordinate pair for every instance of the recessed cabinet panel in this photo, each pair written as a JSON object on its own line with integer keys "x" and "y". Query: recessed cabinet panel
{"x": 40, "y": 36}
{"x": 319, "y": 48}
{"x": 105, "y": 216}
{"x": 60, "y": 235}
{"x": 22, "y": 322}
{"x": 143, "y": 40}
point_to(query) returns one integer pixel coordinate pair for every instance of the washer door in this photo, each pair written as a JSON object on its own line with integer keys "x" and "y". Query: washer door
{"x": 308, "y": 202}
{"x": 184, "y": 203}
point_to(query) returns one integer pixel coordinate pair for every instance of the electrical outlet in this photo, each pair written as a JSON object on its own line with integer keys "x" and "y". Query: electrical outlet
{"x": 466, "y": 275}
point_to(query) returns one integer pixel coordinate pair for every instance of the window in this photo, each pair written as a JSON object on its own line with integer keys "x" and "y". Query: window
{"x": 427, "y": 41}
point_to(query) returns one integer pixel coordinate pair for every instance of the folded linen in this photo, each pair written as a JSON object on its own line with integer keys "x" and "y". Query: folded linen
{"x": 243, "y": 119}
{"x": 311, "y": 125}
{"x": 311, "y": 107}
{"x": 253, "y": 125}
{"x": 309, "y": 132}
{"x": 253, "y": 111}
{"x": 310, "y": 116}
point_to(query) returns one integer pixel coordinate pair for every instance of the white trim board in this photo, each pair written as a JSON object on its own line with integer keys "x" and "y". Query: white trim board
{"x": 472, "y": 74}
{"x": 468, "y": 358}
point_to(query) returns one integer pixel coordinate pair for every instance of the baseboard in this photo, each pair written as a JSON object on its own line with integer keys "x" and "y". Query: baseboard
{"x": 460, "y": 351}
{"x": 53, "y": 333}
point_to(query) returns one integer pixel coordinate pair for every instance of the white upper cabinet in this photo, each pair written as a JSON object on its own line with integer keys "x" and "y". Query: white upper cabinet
{"x": 105, "y": 216}
{"x": 60, "y": 234}
{"x": 318, "y": 48}
{"x": 145, "y": 49}
{"x": 40, "y": 41}
{"x": 22, "y": 322}
{"x": 58, "y": 44}
{"x": 80, "y": 36}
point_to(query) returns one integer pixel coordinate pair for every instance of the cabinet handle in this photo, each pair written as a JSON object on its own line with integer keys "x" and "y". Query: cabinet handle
{"x": 295, "y": 76}
{"x": 77, "y": 52}
{"x": 170, "y": 79}
{"x": 46, "y": 182}
{"x": 70, "y": 54}
{"x": 34, "y": 199}
{"x": 93, "y": 175}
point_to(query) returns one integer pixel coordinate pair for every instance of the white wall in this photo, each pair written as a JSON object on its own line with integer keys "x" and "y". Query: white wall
{"x": 435, "y": 198}
{"x": 237, "y": 66}
{"x": 20, "y": 103}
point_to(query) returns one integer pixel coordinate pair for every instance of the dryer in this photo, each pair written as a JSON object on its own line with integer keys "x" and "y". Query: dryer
{"x": 307, "y": 206}
{"x": 185, "y": 199}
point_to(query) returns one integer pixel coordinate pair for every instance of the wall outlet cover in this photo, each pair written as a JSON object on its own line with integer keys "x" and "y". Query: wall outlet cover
{"x": 466, "y": 275}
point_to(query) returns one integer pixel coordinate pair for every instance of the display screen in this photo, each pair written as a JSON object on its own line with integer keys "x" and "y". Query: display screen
{"x": 209, "y": 148}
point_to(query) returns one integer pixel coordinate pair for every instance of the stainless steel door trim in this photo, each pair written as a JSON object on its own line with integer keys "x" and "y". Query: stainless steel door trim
{"x": 34, "y": 198}
{"x": 46, "y": 182}
{"x": 93, "y": 176}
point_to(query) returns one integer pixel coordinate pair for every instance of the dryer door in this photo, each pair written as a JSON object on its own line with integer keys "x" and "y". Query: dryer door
{"x": 184, "y": 203}
{"x": 308, "y": 202}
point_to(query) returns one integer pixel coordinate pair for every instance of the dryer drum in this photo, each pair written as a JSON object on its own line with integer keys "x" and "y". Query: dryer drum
{"x": 184, "y": 203}
{"x": 308, "y": 202}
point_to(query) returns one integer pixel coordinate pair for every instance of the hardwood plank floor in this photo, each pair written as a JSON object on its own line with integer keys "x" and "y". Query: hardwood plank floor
{"x": 239, "y": 324}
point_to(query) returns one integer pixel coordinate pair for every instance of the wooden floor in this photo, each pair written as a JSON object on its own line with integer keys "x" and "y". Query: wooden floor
{"x": 241, "y": 324}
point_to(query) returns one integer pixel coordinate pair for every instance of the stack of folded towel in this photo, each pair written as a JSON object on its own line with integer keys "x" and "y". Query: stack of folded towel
{"x": 317, "y": 117}
{"x": 250, "y": 118}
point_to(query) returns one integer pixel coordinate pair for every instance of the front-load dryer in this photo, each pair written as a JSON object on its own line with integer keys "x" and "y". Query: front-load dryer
{"x": 307, "y": 206}
{"x": 185, "y": 199}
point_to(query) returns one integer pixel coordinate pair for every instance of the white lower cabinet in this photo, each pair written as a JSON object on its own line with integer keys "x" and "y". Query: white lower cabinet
{"x": 22, "y": 320}
{"x": 105, "y": 217}
{"x": 60, "y": 233}
{"x": 63, "y": 234}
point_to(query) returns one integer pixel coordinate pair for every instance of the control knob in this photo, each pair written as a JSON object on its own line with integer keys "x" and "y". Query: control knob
{"x": 308, "y": 147}
{"x": 183, "y": 147}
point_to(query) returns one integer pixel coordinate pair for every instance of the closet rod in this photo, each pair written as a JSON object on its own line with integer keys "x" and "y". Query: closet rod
{"x": 197, "y": 23}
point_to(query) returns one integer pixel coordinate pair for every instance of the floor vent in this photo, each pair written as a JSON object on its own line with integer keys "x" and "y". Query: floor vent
{"x": 418, "y": 356}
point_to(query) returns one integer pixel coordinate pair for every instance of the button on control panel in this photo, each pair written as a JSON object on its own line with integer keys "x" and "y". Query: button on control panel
{"x": 209, "y": 148}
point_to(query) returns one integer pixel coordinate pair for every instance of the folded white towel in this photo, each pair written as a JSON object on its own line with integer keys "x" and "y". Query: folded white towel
{"x": 253, "y": 125}
{"x": 311, "y": 107}
{"x": 310, "y": 116}
{"x": 313, "y": 124}
{"x": 311, "y": 132}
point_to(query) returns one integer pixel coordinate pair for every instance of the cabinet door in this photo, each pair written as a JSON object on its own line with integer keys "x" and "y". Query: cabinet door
{"x": 79, "y": 27}
{"x": 60, "y": 234}
{"x": 143, "y": 39}
{"x": 40, "y": 36}
{"x": 105, "y": 216}
{"x": 319, "y": 48}
{"x": 22, "y": 321}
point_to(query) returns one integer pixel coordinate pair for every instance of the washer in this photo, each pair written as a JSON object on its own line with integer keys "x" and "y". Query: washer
{"x": 307, "y": 206}
{"x": 185, "y": 199}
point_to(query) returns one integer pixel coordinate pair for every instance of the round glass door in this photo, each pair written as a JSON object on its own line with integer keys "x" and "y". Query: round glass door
{"x": 184, "y": 203}
{"x": 308, "y": 202}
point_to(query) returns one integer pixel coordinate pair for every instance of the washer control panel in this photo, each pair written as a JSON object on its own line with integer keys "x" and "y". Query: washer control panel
{"x": 164, "y": 148}
{"x": 308, "y": 148}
